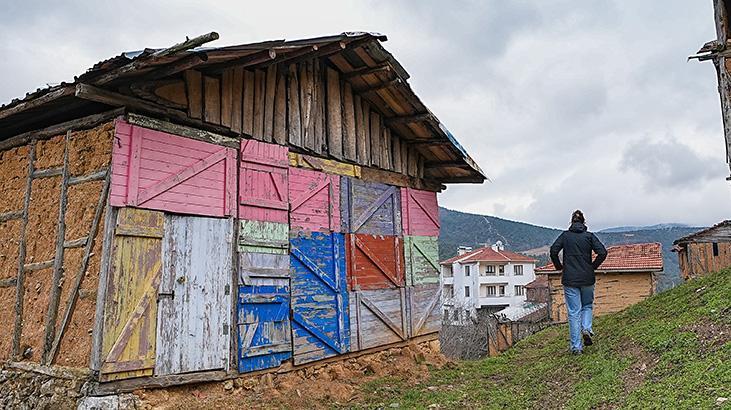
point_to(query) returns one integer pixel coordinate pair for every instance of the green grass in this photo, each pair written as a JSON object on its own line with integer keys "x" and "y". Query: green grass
{"x": 666, "y": 352}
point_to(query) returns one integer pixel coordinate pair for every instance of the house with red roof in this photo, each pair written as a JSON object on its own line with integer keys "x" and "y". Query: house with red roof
{"x": 485, "y": 278}
{"x": 626, "y": 277}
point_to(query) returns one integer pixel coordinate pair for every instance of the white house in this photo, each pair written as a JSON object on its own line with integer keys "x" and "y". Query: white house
{"x": 488, "y": 277}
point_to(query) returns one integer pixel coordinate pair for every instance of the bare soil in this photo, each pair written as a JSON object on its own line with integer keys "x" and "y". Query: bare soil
{"x": 90, "y": 150}
{"x": 13, "y": 176}
{"x": 35, "y": 305}
{"x": 316, "y": 387}
{"x": 9, "y": 240}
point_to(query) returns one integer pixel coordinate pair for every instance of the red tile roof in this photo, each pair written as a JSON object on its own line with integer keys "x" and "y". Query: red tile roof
{"x": 487, "y": 254}
{"x": 630, "y": 258}
{"x": 540, "y": 282}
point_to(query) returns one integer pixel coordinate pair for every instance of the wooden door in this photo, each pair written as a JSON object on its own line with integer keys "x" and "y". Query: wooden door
{"x": 314, "y": 201}
{"x": 156, "y": 170}
{"x": 420, "y": 212}
{"x": 370, "y": 207}
{"x": 422, "y": 260}
{"x": 130, "y": 309}
{"x": 377, "y": 317}
{"x": 374, "y": 262}
{"x": 263, "y": 190}
{"x": 264, "y": 331}
{"x": 424, "y": 309}
{"x": 263, "y": 237}
{"x": 195, "y": 295}
{"x": 320, "y": 322}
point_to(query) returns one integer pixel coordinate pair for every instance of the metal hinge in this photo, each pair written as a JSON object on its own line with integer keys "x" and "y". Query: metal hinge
{"x": 170, "y": 295}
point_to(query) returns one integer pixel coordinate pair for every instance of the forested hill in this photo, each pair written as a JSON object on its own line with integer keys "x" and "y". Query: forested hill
{"x": 459, "y": 228}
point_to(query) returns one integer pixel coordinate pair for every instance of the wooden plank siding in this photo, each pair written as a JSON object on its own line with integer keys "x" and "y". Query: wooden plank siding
{"x": 314, "y": 205}
{"x": 370, "y": 207}
{"x": 419, "y": 212}
{"x": 377, "y": 318}
{"x": 612, "y": 292}
{"x": 263, "y": 237}
{"x": 195, "y": 295}
{"x": 157, "y": 170}
{"x": 424, "y": 309}
{"x": 320, "y": 321}
{"x": 374, "y": 262}
{"x": 263, "y": 188}
{"x": 698, "y": 258}
{"x": 421, "y": 254}
{"x": 130, "y": 311}
{"x": 307, "y": 105}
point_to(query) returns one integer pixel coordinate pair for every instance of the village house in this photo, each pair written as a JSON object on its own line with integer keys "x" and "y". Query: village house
{"x": 194, "y": 214}
{"x": 626, "y": 277}
{"x": 705, "y": 251}
{"x": 488, "y": 278}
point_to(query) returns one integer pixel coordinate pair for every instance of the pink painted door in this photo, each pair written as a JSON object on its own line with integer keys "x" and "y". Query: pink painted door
{"x": 263, "y": 191}
{"x": 314, "y": 201}
{"x": 156, "y": 170}
{"x": 419, "y": 212}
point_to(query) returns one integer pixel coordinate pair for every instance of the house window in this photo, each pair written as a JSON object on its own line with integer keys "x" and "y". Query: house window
{"x": 519, "y": 290}
{"x": 501, "y": 270}
{"x": 467, "y": 270}
{"x": 490, "y": 270}
{"x": 491, "y": 291}
{"x": 455, "y": 315}
{"x": 518, "y": 270}
{"x": 466, "y": 291}
{"x": 715, "y": 248}
{"x": 502, "y": 290}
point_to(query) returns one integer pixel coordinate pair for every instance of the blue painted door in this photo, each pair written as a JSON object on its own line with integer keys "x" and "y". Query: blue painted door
{"x": 320, "y": 324}
{"x": 264, "y": 333}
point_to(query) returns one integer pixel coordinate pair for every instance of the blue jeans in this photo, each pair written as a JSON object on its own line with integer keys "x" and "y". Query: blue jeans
{"x": 579, "y": 303}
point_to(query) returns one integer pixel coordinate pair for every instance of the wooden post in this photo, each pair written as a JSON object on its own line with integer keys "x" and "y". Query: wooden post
{"x": 101, "y": 295}
{"x": 58, "y": 272}
{"x": 19, "y": 289}
{"x": 269, "y": 95}
{"x": 334, "y": 115}
{"x": 293, "y": 111}
{"x": 349, "y": 133}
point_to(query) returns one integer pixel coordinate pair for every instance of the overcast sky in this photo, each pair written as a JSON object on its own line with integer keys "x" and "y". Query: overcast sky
{"x": 565, "y": 104}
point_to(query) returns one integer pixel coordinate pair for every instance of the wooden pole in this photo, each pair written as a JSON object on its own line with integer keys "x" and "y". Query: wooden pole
{"x": 19, "y": 289}
{"x": 58, "y": 259}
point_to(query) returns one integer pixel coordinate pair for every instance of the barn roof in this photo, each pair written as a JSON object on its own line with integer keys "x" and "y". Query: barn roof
{"x": 714, "y": 232}
{"x": 637, "y": 257}
{"x": 364, "y": 62}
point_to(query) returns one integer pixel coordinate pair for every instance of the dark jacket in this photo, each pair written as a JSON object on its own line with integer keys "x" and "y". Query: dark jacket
{"x": 577, "y": 244}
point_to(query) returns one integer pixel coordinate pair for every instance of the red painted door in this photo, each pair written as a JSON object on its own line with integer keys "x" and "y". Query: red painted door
{"x": 314, "y": 201}
{"x": 420, "y": 212}
{"x": 156, "y": 170}
{"x": 263, "y": 187}
{"x": 375, "y": 262}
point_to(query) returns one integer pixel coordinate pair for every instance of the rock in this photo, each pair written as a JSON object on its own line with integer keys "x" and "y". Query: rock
{"x": 238, "y": 382}
{"x": 721, "y": 400}
{"x": 249, "y": 384}
{"x": 267, "y": 380}
{"x": 47, "y": 388}
{"x": 228, "y": 385}
{"x": 394, "y": 405}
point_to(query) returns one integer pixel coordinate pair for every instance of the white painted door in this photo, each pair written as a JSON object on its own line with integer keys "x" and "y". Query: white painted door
{"x": 194, "y": 305}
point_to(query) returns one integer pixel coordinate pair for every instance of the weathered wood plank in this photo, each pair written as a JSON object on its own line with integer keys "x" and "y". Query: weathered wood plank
{"x": 237, "y": 99}
{"x": 422, "y": 260}
{"x": 193, "y": 330}
{"x": 424, "y": 304}
{"x": 360, "y": 132}
{"x": 280, "y": 109}
{"x": 325, "y": 165}
{"x": 375, "y": 123}
{"x": 227, "y": 84}
{"x": 182, "y": 130}
{"x": 334, "y": 115}
{"x": 20, "y": 289}
{"x": 306, "y": 105}
{"x": 370, "y": 208}
{"x": 374, "y": 262}
{"x": 319, "y": 118}
{"x": 420, "y": 212}
{"x": 248, "y": 105}
{"x": 263, "y": 182}
{"x": 293, "y": 109}
{"x": 269, "y": 96}
{"x": 377, "y": 318}
{"x": 259, "y": 103}
{"x": 349, "y": 132}
{"x": 313, "y": 201}
{"x": 9, "y": 216}
{"x": 387, "y": 148}
{"x": 396, "y": 149}
{"x": 263, "y": 237}
{"x": 212, "y": 100}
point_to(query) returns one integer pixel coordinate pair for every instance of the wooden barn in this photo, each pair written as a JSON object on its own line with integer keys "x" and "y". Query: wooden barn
{"x": 194, "y": 213}
{"x": 705, "y": 251}
{"x": 626, "y": 277}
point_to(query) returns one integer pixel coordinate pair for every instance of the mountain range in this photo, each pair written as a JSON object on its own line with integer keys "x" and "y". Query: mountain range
{"x": 464, "y": 229}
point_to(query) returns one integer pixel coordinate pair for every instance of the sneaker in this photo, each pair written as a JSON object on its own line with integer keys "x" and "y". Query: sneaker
{"x": 576, "y": 352}
{"x": 587, "y": 337}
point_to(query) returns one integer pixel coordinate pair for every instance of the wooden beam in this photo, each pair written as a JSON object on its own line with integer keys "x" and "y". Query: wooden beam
{"x": 446, "y": 164}
{"x": 322, "y": 51}
{"x": 58, "y": 256}
{"x": 8, "y": 282}
{"x": 367, "y": 70}
{"x": 293, "y": 55}
{"x": 410, "y": 119}
{"x": 379, "y": 87}
{"x": 182, "y": 130}
{"x": 76, "y": 243}
{"x": 47, "y": 173}
{"x": 143, "y": 62}
{"x": 245, "y": 61}
{"x": 19, "y": 288}
{"x": 183, "y": 64}
{"x": 9, "y": 216}
{"x": 430, "y": 141}
{"x": 30, "y": 267}
{"x": 64, "y": 91}
{"x": 94, "y": 176}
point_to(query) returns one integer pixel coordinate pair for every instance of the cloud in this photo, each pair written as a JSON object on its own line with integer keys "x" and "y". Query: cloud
{"x": 565, "y": 104}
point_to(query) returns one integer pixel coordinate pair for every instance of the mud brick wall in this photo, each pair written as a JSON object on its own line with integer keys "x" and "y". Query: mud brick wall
{"x": 89, "y": 151}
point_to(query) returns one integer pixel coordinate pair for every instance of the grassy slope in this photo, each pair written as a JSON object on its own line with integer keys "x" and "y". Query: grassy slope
{"x": 670, "y": 351}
